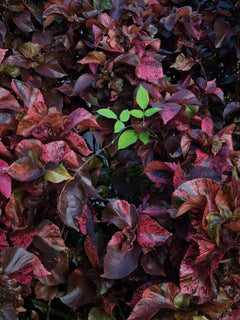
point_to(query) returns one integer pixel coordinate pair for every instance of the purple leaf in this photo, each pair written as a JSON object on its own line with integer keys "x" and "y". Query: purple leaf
{"x": 83, "y": 82}
{"x": 51, "y": 68}
{"x": 23, "y": 21}
{"x": 120, "y": 259}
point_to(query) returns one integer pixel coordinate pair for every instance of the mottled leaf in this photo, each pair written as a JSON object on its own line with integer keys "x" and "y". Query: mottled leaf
{"x": 183, "y": 63}
{"x": 94, "y": 57}
{"x": 7, "y": 100}
{"x": 25, "y": 169}
{"x": 149, "y": 69}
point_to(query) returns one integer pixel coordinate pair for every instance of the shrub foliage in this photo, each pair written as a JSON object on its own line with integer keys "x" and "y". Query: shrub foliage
{"x": 119, "y": 159}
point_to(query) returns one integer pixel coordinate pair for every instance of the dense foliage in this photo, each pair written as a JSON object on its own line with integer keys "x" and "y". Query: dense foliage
{"x": 119, "y": 159}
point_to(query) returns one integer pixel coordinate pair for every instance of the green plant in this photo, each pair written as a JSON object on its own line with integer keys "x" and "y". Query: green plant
{"x": 127, "y": 136}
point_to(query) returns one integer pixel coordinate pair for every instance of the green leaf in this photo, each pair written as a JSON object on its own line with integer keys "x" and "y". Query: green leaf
{"x": 107, "y": 113}
{"x": 119, "y": 126}
{"x": 125, "y": 115}
{"x": 97, "y": 313}
{"x": 200, "y": 318}
{"x": 127, "y": 138}
{"x": 142, "y": 97}
{"x": 57, "y": 175}
{"x": 181, "y": 301}
{"x": 191, "y": 110}
{"x": 149, "y": 112}
{"x": 137, "y": 113}
{"x": 144, "y": 137}
{"x": 214, "y": 222}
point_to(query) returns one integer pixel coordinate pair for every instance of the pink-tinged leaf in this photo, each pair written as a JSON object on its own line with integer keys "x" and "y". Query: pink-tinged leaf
{"x": 25, "y": 169}
{"x": 153, "y": 299}
{"x": 207, "y": 126}
{"x": 91, "y": 252}
{"x": 120, "y": 213}
{"x": 81, "y": 118}
{"x": 231, "y": 108}
{"x": 149, "y": 69}
{"x": 49, "y": 233}
{"x": 94, "y": 57}
{"x": 28, "y": 146}
{"x": 50, "y": 68}
{"x": 2, "y": 54}
{"x": 18, "y": 264}
{"x": 5, "y": 185}
{"x": 222, "y": 29}
{"x": 168, "y": 111}
{"x": 183, "y": 63}
{"x": 4, "y": 151}
{"x": 3, "y": 241}
{"x": 194, "y": 202}
{"x": 77, "y": 143}
{"x": 150, "y": 233}
{"x": 83, "y": 82}
{"x": 71, "y": 202}
{"x": 7, "y": 100}
{"x": 23, "y": 21}
{"x": 28, "y": 95}
{"x": 22, "y": 238}
{"x": 18, "y": 60}
{"x": 120, "y": 260}
{"x": 80, "y": 291}
{"x": 193, "y": 26}
{"x": 184, "y": 96}
{"x": 54, "y": 151}
{"x": 196, "y": 187}
{"x": 179, "y": 176}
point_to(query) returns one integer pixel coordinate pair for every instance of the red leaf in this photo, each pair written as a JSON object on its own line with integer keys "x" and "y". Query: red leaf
{"x": 71, "y": 202}
{"x": 120, "y": 261}
{"x": 83, "y": 82}
{"x": 153, "y": 299}
{"x": 149, "y": 233}
{"x": 82, "y": 118}
{"x": 28, "y": 95}
{"x": 120, "y": 213}
{"x": 80, "y": 291}
{"x": 22, "y": 238}
{"x": 7, "y": 100}
{"x": 50, "y": 68}
{"x": 149, "y": 69}
{"x": 78, "y": 143}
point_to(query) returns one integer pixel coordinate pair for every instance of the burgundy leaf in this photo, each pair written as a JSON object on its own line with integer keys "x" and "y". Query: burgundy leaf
{"x": 3, "y": 241}
{"x": 71, "y": 202}
{"x": 193, "y": 202}
{"x": 83, "y": 82}
{"x": 51, "y": 68}
{"x": 120, "y": 213}
{"x": 5, "y": 186}
{"x": 23, "y": 21}
{"x": 4, "y": 151}
{"x": 80, "y": 291}
{"x": 42, "y": 38}
{"x": 7, "y": 100}
{"x": 25, "y": 169}
{"x": 120, "y": 260}
{"x": 149, "y": 69}
{"x": 91, "y": 252}
{"x": 128, "y": 58}
{"x": 149, "y": 233}
{"x": 153, "y": 299}
{"x": 151, "y": 265}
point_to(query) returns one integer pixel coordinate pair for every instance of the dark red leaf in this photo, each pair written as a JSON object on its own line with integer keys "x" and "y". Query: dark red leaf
{"x": 81, "y": 118}
{"x": 151, "y": 265}
{"x": 91, "y": 252}
{"x": 3, "y": 241}
{"x": 80, "y": 291}
{"x": 54, "y": 151}
{"x": 153, "y": 299}
{"x": 5, "y": 185}
{"x": 71, "y": 202}
{"x": 193, "y": 202}
{"x": 51, "y": 68}
{"x": 78, "y": 143}
{"x": 4, "y": 151}
{"x": 83, "y": 82}
{"x": 120, "y": 261}
{"x": 120, "y": 213}
{"x": 7, "y": 100}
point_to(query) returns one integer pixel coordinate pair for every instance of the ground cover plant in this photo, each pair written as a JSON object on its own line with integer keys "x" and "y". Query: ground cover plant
{"x": 119, "y": 159}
